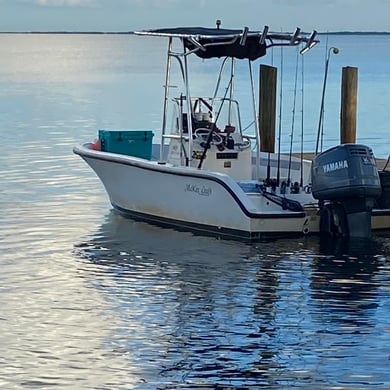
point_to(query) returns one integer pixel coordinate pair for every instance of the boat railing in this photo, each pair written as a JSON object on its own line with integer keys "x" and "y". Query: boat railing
{"x": 203, "y": 47}
{"x": 176, "y": 136}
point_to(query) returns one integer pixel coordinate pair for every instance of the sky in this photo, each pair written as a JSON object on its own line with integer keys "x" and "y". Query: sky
{"x": 130, "y": 15}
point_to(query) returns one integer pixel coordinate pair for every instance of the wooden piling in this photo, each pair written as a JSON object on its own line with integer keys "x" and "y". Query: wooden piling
{"x": 348, "y": 105}
{"x": 267, "y": 108}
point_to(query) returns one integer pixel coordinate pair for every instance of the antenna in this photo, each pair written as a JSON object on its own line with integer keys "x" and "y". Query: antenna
{"x": 320, "y": 131}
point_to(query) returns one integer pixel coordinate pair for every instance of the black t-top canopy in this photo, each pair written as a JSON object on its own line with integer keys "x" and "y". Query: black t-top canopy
{"x": 222, "y": 42}
{"x": 215, "y": 42}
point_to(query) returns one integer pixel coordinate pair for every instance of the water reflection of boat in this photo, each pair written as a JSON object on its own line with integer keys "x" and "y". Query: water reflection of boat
{"x": 208, "y": 181}
{"x": 238, "y": 313}
{"x": 343, "y": 279}
{"x": 128, "y": 239}
{"x": 123, "y": 240}
{"x": 125, "y": 243}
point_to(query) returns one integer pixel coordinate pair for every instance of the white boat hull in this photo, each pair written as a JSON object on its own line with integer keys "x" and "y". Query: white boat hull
{"x": 188, "y": 197}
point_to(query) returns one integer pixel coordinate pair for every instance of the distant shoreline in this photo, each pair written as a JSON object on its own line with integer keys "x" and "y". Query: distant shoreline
{"x": 132, "y": 32}
{"x": 67, "y": 32}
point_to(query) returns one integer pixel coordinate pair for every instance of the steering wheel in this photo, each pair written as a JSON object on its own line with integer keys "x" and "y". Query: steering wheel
{"x": 202, "y": 133}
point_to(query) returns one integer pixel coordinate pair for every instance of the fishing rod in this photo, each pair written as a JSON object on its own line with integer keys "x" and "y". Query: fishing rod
{"x": 280, "y": 115}
{"x": 302, "y": 117}
{"x": 206, "y": 145}
{"x": 387, "y": 163}
{"x": 293, "y": 120}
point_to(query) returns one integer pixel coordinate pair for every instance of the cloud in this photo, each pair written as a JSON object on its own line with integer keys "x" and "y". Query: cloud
{"x": 64, "y": 2}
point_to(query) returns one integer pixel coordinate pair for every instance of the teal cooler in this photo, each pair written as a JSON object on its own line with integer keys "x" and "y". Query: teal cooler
{"x": 136, "y": 143}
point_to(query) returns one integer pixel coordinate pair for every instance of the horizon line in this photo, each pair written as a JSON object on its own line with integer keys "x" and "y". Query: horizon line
{"x": 340, "y": 32}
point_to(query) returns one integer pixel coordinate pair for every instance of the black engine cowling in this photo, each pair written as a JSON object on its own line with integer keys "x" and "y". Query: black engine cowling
{"x": 347, "y": 175}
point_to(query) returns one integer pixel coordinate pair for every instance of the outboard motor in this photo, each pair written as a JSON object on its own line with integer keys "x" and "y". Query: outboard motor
{"x": 345, "y": 180}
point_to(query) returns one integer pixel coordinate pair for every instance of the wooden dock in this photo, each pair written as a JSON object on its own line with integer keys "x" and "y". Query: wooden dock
{"x": 267, "y": 111}
{"x": 380, "y": 162}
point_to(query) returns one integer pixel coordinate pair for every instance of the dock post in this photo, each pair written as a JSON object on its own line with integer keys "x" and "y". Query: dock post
{"x": 348, "y": 105}
{"x": 267, "y": 108}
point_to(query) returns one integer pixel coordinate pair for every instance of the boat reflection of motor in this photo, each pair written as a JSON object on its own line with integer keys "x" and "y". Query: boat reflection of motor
{"x": 347, "y": 184}
{"x": 343, "y": 280}
{"x": 355, "y": 247}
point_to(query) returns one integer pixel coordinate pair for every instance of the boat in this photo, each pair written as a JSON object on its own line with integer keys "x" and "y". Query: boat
{"x": 209, "y": 174}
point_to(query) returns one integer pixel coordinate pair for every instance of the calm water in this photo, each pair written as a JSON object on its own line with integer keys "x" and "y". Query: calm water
{"x": 89, "y": 300}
